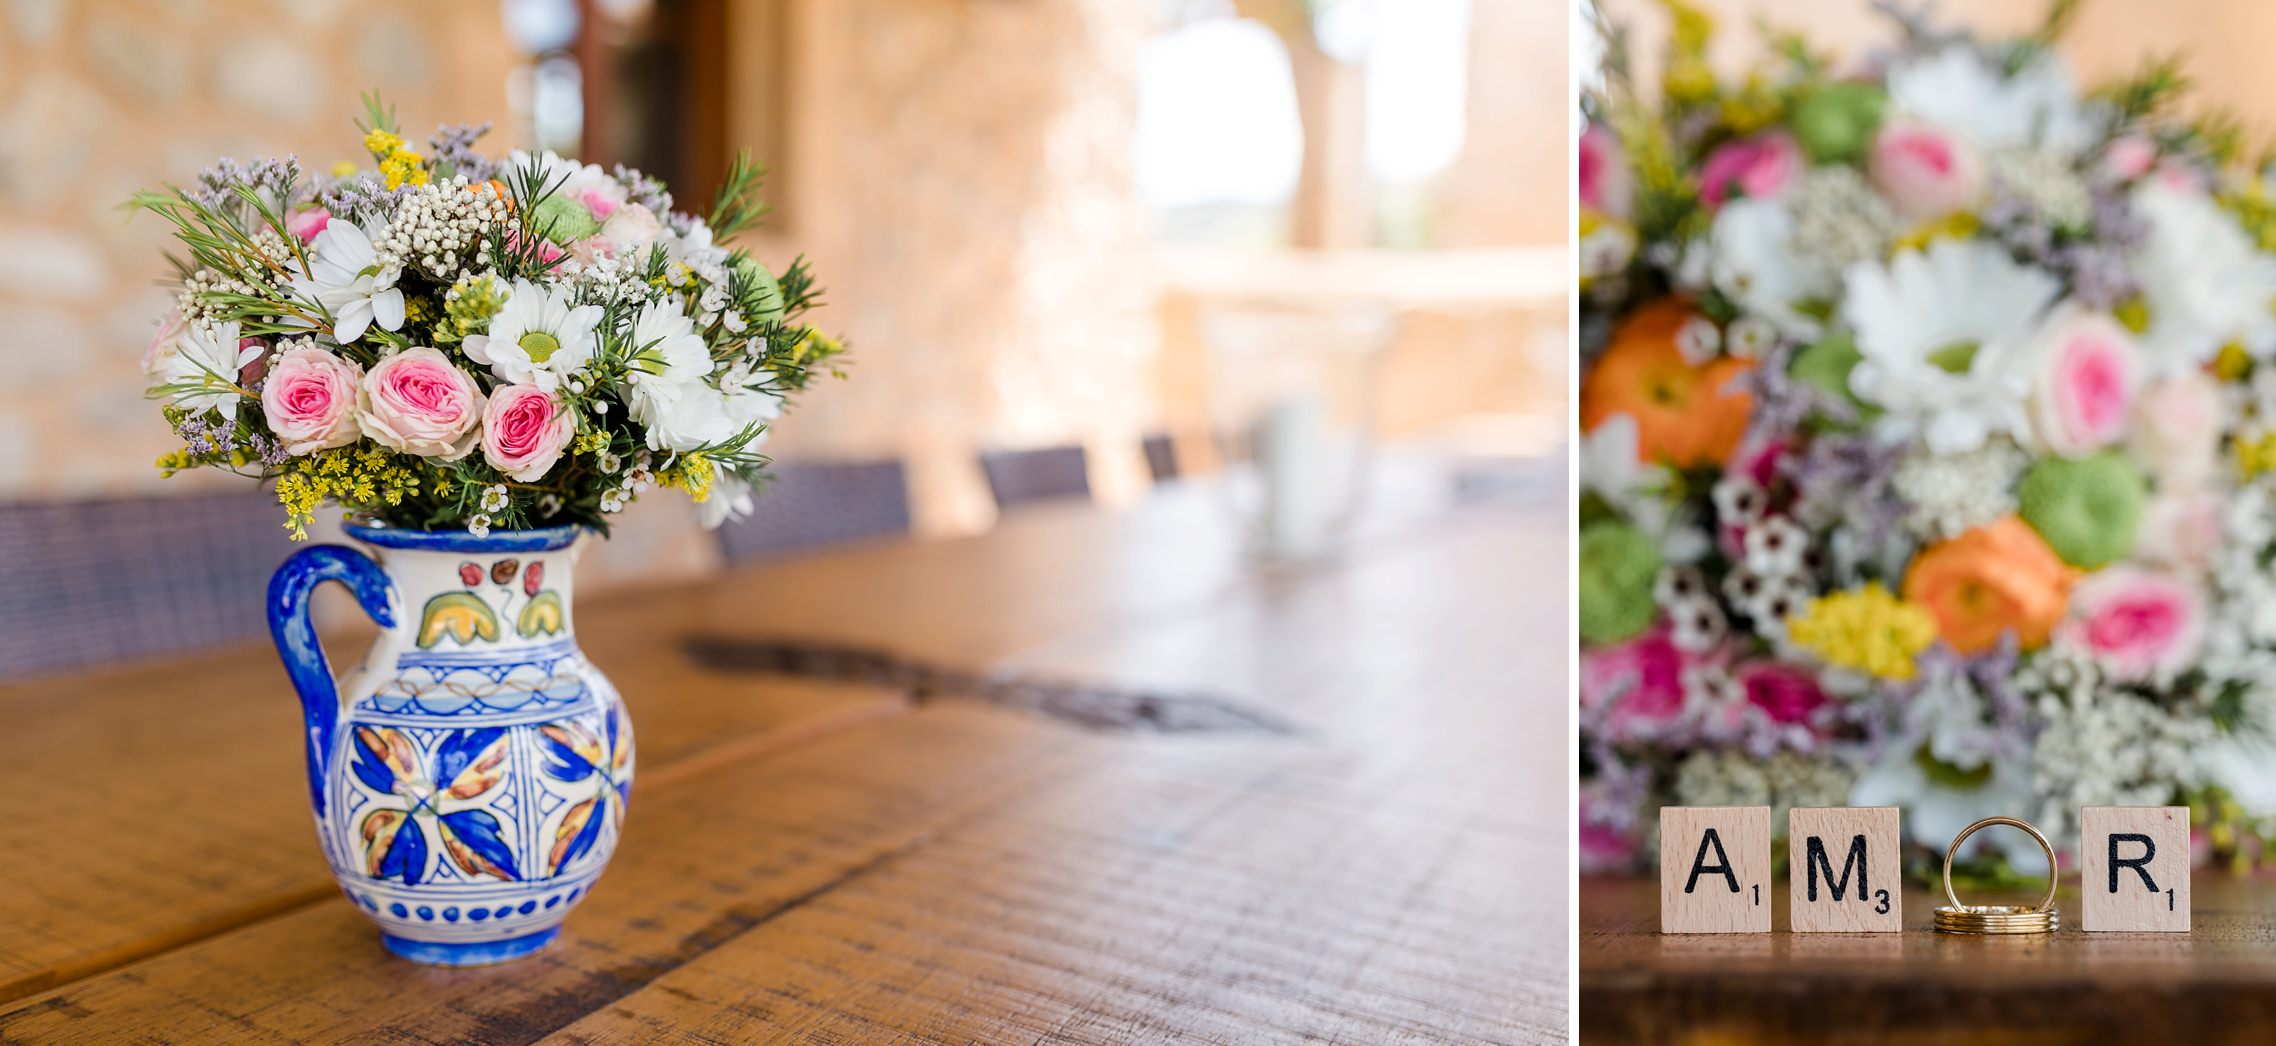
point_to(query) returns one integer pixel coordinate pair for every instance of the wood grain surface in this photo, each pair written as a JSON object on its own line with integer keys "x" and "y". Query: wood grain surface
{"x": 2215, "y": 984}
{"x": 819, "y": 860}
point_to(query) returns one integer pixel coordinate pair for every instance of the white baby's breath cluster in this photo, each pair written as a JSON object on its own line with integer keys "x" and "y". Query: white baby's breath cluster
{"x": 1950, "y": 494}
{"x": 437, "y": 227}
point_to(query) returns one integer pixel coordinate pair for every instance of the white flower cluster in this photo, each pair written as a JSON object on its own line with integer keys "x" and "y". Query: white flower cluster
{"x": 2105, "y": 747}
{"x": 634, "y": 482}
{"x": 1951, "y": 494}
{"x": 1839, "y": 219}
{"x": 1725, "y": 777}
{"x": 440, "y": 226}
{"x": 2047, "y": 184}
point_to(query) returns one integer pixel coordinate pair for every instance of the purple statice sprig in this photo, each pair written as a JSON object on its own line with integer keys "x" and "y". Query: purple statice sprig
{"x": 452, "y": 150}
{"x": 643, "y": 190}
{"x": 217, "y": 185}
{"x": 2093, "y": 260}
{"x": 207, "y": 437}
{"x": 362, "y": 199}
{"x": 1861, "y": 472}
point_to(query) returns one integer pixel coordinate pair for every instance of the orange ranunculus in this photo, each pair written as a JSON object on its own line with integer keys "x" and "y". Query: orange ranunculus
{"x": 1685, "y": 415}
{"x": 1997, "y": 577}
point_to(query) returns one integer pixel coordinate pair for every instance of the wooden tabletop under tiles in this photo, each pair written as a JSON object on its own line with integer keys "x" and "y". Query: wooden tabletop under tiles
{"x": 2214, "y": 984}
{"x": 1094, "y": 776}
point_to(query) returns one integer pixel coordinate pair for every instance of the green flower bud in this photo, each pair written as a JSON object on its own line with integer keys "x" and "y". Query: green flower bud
{"x": 1836, "y": 123}
{"x": 563, "y": 220}
{"x": 1618, "y": 564}
{"x": 2087, "y": 508}
{"x": 770, "y": 309}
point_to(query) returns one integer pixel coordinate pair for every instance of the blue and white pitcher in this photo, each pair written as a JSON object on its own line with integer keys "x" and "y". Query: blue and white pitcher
{"x": 469, "y": 778}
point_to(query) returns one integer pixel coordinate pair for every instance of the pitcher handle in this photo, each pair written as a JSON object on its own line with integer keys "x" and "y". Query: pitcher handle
{"x": 298, "y": 647}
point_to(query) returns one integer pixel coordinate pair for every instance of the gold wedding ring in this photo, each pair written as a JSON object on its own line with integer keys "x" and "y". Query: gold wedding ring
{"x": 1998, "y": 918}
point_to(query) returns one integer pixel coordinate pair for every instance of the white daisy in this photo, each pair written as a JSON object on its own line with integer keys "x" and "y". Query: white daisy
{"x": 2202, "y": 279}
{"x": 1611, "y": 466}
{"x": 703, "y": 416}
{"x": 1752, "y": 260}
{"x": 203, "y": 368}
{"x": 1964, "y": 90}
{"x": 538, "y": 338}
{"x": 1945, "y": 338}
{"x": 666, "y": 357}
{"x": 730, "y": 499}
{"x": 353, "y": 284}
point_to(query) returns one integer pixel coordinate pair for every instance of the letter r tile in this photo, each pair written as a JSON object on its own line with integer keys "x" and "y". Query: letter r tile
{"x": 1844, "y": 870}
{"x": 2134, "y": 868}
{"x": 1715, "y": 869}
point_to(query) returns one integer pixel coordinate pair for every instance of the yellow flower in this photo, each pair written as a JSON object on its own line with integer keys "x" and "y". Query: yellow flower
{"x": 1752, "y": 107}
{"x": 2233, "y": 363}
{"x": 1956, "y": 226}
{"x": 343, "y": 169}
{"x": 694, "y": 474}
{"x": 2133, "y": 314}
{"x": 2256, "y": 453}
{"x": 403, "y": 167}
{"x": 1869, "y": 630}
{"x": 381, "y": 143}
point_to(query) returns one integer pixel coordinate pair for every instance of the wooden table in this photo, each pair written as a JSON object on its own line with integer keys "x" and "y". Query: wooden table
{"x": 833, "y": 858}
{"x": 2214, "y": 984}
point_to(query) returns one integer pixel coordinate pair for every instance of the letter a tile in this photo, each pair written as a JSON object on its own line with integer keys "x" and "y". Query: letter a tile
{"x": 1843, "y": 867}
{"x": 2134, "y": 868}
{"x": 1714, "y": 869}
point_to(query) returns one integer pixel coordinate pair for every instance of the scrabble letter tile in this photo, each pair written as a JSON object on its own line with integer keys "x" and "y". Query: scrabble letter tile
{"x": 1714, "y": 869}
{"x": 1843, "y": 864}
{"x": 2134, "y": 868}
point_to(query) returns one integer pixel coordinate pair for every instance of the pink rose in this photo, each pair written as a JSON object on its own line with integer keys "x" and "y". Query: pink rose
{"x": 524, "y": 432}
{"x": 628, "y": 232}
{"x": 1761, "y": 167}
{"x": 546, "y": 250}
{"x": 2136, "y": 624}
{"x": 305, "y": 224}
{"x": 2085, "y": 387}
{"x": 601, "y": 199}
{"x": 1606, "y": 184}
{"x": 1635, "y": 687}
{"x": 2180, "y": 530}
{"x": 310, "y": 400}
{"x": 2129, "y": 156}
{"x": 417, "y": 403}
{"x": 1786, "y": 694}
{"x": 2177, "y": 431}
{"x": 1925, "y": 171}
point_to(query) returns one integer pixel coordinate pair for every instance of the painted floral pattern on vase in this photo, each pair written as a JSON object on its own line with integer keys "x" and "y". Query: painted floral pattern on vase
{"x": 476, "y": 779}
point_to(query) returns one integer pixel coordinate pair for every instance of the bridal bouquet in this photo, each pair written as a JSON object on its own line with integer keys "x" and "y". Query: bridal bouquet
{"x": 440, "y": 340}
{"x": 1929, "y": 453}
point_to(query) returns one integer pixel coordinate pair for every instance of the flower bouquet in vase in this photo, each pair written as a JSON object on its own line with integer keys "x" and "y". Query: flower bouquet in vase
{"x": 1928, "y": 406}
{"x": 480, "y": 361}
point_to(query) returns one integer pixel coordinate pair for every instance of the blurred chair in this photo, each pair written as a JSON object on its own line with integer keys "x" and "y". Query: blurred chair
{"x": 1161, "y": 457}
{"x": 1017, "y": 477}
{"x": 810, "y": 505}
{"x": 86, "y": 582}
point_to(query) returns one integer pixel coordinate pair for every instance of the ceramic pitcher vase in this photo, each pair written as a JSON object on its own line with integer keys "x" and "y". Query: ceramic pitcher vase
{"x": 469, "y": 777}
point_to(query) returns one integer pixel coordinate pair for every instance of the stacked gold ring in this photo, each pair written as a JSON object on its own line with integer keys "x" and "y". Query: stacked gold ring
{"x": 1998, "y": 918}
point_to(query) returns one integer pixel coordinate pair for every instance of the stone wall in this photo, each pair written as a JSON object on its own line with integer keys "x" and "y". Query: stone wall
{"x": 99, "y": 98}
{"x": 959, "y": 171}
